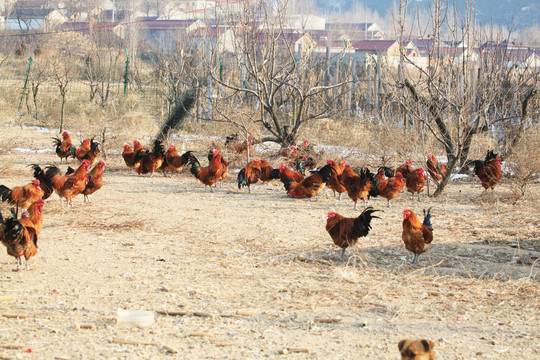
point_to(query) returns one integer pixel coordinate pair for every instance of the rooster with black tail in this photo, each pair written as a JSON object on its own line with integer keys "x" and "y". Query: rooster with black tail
{"x": 417, "y": 235}
{"x": 309, "y": 186}
{"x": 345, "y": 232}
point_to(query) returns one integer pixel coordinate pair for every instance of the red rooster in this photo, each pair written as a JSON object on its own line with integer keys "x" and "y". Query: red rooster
{"x": 95, "y": 180}
{"x": 175, "y": 161}
{"x": 150, "y": 161}
{"x": 415, "y": 182}
{"x": 22, "y": 196}
{"x": 19, "y": 237}
{"x": 207, "y": 175}
{"x": 417, "y": 235}
{"x": 335, "y": 183}
{"x": 285, "y": 172}
{"x": 309, "y": 186}
{"x": 268, "y": 173}
{"x": 67, "y": 186}
{"x": 249, "y": 175}
{"x": 129, "y": 156}
{"x": 404, "y": 169}
{"x": 89, "y": 150}
{"x": 64, "y": 148}
{"x": 435, "y": 169}
{"x": 345, "y": 232}
{"x": 35, "y": 214}
{"x": 489, "y": 171}
{"x": 389, "y": 188}
{"x": 358, "y": 187}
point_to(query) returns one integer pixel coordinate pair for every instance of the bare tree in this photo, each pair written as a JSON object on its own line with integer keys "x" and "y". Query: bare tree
{"x": 66, "y": 49}
{"x": 468, "y": 87}
{"x": 272, "y": 72}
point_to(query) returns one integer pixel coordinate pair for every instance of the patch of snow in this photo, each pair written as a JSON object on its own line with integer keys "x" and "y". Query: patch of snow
{"x": 267, "y": 147}
{"x": 459, "y": 176}
{"x": 193, "y": 137}
{"x": 31, "y": 151}
{"x": 39, "y": 129}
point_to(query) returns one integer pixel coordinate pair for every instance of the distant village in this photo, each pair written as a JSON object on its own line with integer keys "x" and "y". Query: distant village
{"x": 202, "y": 18}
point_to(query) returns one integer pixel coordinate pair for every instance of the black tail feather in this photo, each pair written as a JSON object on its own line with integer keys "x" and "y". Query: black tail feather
{"x": 427, "y": 219}
{"x": 57, "y": 143}
{"x": 325, "y": 172}
{"x": 5, "y": 194}
{"x": 363, "y": 222}
{"x": 94, "y": 146}
{"x": 50, "y": 172}
{"x": 177, "y": 117}
{"x": 44, "y": 184}
{"x": 195, "y": 165}
{"x": 387, "y": 171}
{"x": 242, "y": 180}
{"x": 274, "y": 174}
{"x": 13, "y": 230}
{"x": 287, "y": 183}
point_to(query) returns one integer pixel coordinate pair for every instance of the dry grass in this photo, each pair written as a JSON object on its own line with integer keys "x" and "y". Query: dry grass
{"x": 264, "y": 273}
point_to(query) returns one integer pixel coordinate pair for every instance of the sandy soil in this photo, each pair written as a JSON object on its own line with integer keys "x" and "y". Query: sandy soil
{"x": 258, "y": 276}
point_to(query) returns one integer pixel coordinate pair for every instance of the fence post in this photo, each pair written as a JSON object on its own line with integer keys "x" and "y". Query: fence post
{"x": 25, "y": 82}
{"x": 126, "y": 72}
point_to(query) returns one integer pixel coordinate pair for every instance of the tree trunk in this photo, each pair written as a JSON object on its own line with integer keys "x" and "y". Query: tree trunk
{"x": 63, "y": 94}
{"x": 446, "y": 178}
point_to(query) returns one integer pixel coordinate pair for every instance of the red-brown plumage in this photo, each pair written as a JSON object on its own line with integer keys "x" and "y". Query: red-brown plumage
{"x": 150, "y": 161}
{"x": 344, "y": 231}
{"x": 208, "y": 175}
{"x": 137, "y": 146}
{"x": 22, "y": 196}
{"x": 224, "y": 164}
{"x": 404, "y": 169}
{"x": 285, "y": 172}
{"x": 64, "y": 147}
{"x": 129, "y": 156}
{"x": 88, "y": 150}
{"x": 68, "y": 186}
{"x": 415, "y": 182}
{"x": 175, "y": 161}
{"x": 249, "y": 175}
{"x": 308, "y": 186}
{"x": 95, "y": 180}
{"x": 435, "y": 169}
{"x": 19, "y": 236}
{"x": 490, "y": 174}
{"x": 266, "y": 170}
{"x": 389, "y": 188}
{"x": 416, "y": 235}
{"x": 358, "y": 186}
{"x": 240, "y": 147}
{"x": 335, "y": 179}
{"x": 35, "y": 214}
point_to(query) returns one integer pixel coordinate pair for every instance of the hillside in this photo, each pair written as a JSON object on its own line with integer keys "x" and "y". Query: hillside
{"x": 520, "y": 13}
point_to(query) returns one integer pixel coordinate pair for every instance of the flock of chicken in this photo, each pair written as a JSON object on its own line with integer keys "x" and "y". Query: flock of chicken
{"x": 20, "y": 235}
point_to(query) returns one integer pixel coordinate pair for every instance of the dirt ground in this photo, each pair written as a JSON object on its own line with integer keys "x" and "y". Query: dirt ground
{"x": 257, "y": 276}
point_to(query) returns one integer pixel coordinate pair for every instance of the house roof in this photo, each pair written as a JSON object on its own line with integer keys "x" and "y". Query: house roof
{"x": 372, "y": 45}
{"x": 85, "y": 25}
{"x": 165, "y": 24}
{"x": 347, "y": 26}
